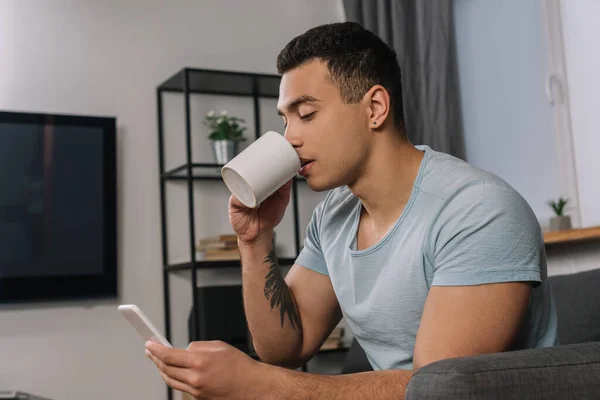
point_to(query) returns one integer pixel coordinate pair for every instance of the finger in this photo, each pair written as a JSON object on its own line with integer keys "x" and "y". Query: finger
{"x": 181, "y": 374}
{"x": 284, "y": 192}
{"x": 235, "y": 203}
{"x": 174, "y": 357}
{"x": 181, "y": 386}
{"x": 207, "y": 346}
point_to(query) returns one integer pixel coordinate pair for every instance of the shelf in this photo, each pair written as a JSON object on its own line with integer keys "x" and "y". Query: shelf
{"x": 224, "y": 83}
{"x": 338, "y": 350}
{"x": 207, "y": 264}
{"x": 188, "y": 81}
{"x": 201, "y": 171}
{"x": 572, "y": 235}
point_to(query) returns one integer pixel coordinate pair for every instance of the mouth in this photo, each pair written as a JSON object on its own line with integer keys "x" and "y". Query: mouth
{"x": 304, "y": 161}
{"x": 305, "y": 164}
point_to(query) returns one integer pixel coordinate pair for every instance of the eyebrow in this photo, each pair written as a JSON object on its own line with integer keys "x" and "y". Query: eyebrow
{"x": 293, "y": 105}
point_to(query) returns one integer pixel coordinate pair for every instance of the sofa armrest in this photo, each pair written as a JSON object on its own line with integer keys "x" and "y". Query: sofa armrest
{"x": 561, "y": 372}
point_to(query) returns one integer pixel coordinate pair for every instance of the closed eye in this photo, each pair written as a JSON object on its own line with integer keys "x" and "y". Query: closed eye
{"x": 308, "y": 116}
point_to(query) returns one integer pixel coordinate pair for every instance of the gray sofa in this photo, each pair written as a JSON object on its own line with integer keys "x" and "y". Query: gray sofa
{"x": 568, "y": 371}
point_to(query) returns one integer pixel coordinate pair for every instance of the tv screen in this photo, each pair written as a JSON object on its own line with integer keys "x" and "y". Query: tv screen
{"x": 57, "y": 207}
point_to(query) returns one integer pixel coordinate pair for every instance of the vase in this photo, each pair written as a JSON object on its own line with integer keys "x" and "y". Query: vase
{"x": 560, "y": 223}
{"x": 224, "y": 150}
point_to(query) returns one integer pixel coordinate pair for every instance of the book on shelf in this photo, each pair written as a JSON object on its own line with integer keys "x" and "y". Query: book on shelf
{"x": 224, "y": 237}
{"x": 216, "y": 245}
{"x": 218, "y": 242}
{"x": 225, "y": 257}
{"x": 336, "y": 333}
{"x": 334, "y": 340}
{"x": 331, "y": 344}
{"x": 222, "y": 247}
{"x": 214, "y": 254}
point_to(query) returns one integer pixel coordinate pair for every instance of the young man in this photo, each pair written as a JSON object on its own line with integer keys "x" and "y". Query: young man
{"x": 425, "y": 256}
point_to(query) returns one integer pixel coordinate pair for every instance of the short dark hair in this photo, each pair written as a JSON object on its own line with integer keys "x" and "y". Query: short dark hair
{"x": 357, "y": 60}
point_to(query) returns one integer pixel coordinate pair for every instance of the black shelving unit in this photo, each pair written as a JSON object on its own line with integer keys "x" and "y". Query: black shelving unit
{"x": 187, "y": 82}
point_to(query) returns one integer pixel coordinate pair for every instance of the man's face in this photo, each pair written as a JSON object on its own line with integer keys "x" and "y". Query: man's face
{"x": 322, "y": 128}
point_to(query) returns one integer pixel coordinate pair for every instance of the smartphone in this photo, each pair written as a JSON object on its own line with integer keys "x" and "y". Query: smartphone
{"x": 142, "y": 324}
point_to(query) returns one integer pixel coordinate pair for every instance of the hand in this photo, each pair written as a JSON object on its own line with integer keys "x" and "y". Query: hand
{"x": 209, "y": 370}
{"x": 250, "y": 224}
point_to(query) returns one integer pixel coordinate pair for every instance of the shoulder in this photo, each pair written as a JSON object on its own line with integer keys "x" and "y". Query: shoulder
{"x": 457, "y": 183}
{"x": 488, "y": 202}
{"x": 476, "y": 201}
{"x": 445, "y": 176}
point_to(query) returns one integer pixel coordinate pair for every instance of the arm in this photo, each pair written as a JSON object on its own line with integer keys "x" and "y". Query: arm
{"x": 289, "y": 318}
{"x": 457, "y": 321}
{"x": 463, "y": 321}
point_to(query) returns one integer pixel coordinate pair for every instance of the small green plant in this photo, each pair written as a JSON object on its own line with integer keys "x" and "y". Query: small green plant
{"x": 558, "y": 206}
{"x": 224, "y": 127}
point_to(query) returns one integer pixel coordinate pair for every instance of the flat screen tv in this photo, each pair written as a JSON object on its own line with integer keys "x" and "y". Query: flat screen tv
{"x": 58, "y": 236}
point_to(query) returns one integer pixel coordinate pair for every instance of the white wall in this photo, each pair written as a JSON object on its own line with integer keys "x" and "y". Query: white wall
{"x": 581, "y": 31}
{"x": 508, "y": 122}
{"x": 582, "y": 58}
{"x": 106, "y": 58}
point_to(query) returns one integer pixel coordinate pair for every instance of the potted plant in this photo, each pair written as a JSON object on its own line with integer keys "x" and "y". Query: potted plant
{"x": 560, "y": 222}
{"x": 225, "y": 133}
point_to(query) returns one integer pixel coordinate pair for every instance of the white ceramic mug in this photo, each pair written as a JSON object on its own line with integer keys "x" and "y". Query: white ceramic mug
{"x": 261, "y": 169}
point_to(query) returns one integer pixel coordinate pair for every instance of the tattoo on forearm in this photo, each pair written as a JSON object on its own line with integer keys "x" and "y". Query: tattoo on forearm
{"x": 278, "y": 293}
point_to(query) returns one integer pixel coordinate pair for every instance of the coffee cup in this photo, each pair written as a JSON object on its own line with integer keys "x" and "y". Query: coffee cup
{"x": 261, "y": 169}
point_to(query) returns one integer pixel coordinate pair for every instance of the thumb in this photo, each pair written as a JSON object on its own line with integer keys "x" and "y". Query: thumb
{"x": 283, "y": 193}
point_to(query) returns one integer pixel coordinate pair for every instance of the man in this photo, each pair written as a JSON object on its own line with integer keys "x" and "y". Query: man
{"x": 425, "y": 256}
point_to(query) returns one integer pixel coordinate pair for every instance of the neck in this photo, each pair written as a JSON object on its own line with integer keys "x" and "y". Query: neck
{"x": 385, "y": 184}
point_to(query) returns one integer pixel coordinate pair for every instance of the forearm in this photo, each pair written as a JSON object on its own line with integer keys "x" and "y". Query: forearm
{"x": 271, "y": 311}
{"x": 287, "y": 384}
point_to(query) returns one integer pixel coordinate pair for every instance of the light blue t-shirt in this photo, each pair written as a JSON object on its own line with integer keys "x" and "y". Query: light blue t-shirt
{"x": 461, "y": 226}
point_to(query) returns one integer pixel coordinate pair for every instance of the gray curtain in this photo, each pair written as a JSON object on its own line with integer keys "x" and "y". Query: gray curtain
{"x": 422, "y": 34}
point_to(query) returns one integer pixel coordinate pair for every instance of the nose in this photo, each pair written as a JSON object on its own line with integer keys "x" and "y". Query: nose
{"x": 292, "y": 136}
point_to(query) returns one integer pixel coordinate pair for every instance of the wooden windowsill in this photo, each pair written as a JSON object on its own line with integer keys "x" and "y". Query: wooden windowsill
{"x": 572, "y": 235}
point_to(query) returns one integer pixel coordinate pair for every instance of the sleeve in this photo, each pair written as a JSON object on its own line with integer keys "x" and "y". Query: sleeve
{"x": 487, "y": 233}
{"x": 311, "y": 256}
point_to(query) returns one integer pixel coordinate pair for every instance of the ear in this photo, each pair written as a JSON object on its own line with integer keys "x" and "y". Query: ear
{"x": 377, "y": 100}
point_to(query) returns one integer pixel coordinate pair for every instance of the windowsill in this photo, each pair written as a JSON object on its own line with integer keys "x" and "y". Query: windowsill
{"x": 572, "y": 235}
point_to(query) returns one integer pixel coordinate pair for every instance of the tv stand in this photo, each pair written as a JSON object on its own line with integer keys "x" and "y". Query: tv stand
{"x": 16, "y": 395}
